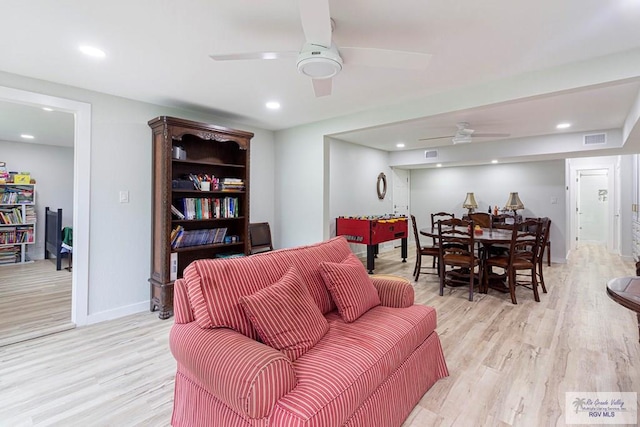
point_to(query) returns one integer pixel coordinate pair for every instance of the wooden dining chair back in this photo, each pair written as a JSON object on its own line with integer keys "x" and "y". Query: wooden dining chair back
{"x": 422, "y": 251}
{"x": 545, "y": 224}
{"x": 260, "y": 237}
{"x": 522, "y": 256}
{"x": 482, "y": 219}
{"x": 457, "y": 251}
{"x": 435, "y": 217}
{"x": 504, "y": 221}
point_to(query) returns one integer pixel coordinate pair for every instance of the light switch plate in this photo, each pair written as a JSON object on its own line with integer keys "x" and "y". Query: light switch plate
{"x": 124, "y": 196}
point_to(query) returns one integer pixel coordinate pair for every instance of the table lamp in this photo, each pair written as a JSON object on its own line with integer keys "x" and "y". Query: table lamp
{"x": 514, "y": 203}
{"x": 470, "y": 203}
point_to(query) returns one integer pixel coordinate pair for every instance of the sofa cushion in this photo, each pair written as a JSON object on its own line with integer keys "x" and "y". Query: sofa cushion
{"x": 285, "y": 315}
{"x": 351, "y": 361}
{"x": 350, "y": 287}
{"x": 214, "y": 286}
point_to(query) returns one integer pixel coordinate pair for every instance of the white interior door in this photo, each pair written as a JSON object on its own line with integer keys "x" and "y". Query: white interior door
{"x": 401, "y": 192}
{"x": 593, "y": 206}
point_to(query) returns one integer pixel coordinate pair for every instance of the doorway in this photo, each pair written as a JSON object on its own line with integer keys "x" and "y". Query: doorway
{"x": 81, "y": 189}
{"x": 593, "y": 206}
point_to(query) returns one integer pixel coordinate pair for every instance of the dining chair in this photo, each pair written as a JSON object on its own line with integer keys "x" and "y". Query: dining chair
{"x": 260, "y": 237}
{"x": 522, "y": 256}
{"x": 543, "y": 248}
{"x": 421, "y": 251}
{"x": 457, "y": 250}
{"x": 482, "y": 219}
{"x": 500, "y": 220}
{"x": 435, "y": 217}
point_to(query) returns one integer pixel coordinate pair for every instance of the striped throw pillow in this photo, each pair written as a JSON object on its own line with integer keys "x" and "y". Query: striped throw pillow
{"x": 350, "y": 287}
{"x": 286, "y": 316}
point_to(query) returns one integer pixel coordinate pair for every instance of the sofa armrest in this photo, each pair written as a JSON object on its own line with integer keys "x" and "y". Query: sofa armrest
{"x": 248, "y": 376}
{"x": 182, "y": 311}
{"x": 394, "y": 291}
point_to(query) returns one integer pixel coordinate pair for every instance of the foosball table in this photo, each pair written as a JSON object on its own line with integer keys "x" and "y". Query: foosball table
{"x": 373, "y": 230}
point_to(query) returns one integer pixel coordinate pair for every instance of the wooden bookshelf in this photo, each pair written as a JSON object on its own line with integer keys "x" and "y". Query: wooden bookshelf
{"x": 17, "y": 222}
{"x": 210, "y": 151}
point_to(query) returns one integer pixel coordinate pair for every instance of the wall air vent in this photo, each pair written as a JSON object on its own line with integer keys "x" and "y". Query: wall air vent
{"x": 595, "y": 139}
{"x": 431, "y": 154}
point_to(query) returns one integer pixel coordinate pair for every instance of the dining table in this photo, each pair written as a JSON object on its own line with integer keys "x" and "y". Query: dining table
{"x": 487, "y": 238}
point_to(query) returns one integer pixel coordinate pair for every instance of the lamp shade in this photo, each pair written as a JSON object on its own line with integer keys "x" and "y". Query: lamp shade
{"x": 514, "y": 202}
{"x": 470, "y": 202}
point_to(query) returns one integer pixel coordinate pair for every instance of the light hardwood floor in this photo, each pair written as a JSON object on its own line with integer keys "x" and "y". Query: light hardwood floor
{"x": 35, "y": 300}
{"x": 509, "y": 364}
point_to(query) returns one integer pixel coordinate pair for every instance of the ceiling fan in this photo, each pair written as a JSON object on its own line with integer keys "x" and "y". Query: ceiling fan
{"x": 464, "y": 135}
{"x": 320, "y": 59}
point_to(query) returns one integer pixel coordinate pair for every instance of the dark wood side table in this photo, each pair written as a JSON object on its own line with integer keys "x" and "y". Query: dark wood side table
{"x": 626, "y": 292}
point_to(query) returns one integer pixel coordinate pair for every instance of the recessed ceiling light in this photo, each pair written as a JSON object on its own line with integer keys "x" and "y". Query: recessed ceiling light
{"x": 400, "y": 145}
{"x": 563, "y": 125}
{"x": 439, "y": 165}
{"x": 273, "y": 105}
{"x": 26, "y": 136}
{"x": 47, "y": 109}
{"x": 494, "y": 161}
{"x": 92, "y": 51}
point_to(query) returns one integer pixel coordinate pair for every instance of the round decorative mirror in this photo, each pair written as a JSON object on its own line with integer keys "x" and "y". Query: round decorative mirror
{"x": 381, "y": 185}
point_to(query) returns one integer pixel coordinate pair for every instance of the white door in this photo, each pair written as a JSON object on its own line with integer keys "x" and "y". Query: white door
{"x": 593, "y": 206}
{"x": 400, "y": 195}
{"x": 401, "y": 192}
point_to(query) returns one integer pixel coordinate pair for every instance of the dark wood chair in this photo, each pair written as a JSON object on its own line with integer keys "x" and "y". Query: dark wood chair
{"x": 543, "y": 248}
{"x": 422, "y": 251}
{"x": 435, "y": 217}
{"x": 502, "y": 221}
{"x": 482, "y": 219}
{"x": 457, "y": 250}
{"x": 522, "y": 256}
{"x": 260, "y": 237}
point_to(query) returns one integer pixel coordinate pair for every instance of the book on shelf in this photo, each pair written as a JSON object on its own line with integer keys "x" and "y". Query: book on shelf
{"x": 181, "y": 238}
{"x": 177, "y": 212}
{"x": 208, "y": 208}
{"x": 232, "y": 184}
{"x": 12, "y": 194}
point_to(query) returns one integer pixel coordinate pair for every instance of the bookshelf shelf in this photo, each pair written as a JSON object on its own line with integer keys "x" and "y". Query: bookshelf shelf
{"x": 17, "y": 222}
{"x": 207, "y": 220}
{"x": 225, "y": 246}
{"x": 205, "y": 163}
{"x": 206, "y": 153}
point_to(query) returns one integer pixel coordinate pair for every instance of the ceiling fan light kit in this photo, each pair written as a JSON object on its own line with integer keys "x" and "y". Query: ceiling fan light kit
{"x": 319, "y": 62}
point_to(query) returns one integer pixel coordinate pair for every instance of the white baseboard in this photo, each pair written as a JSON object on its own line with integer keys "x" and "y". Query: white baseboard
{"x": 117, "y": 312}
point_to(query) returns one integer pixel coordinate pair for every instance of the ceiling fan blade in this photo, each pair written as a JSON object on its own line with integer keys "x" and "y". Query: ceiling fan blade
{"x": 316, "y": 21}
{"x": 372, "y": 57}
{"x": 254, "y": 55}
{"x": 322, "y": 87}
{"x": 436, "y": 137}
{"x": 490, "y": 135}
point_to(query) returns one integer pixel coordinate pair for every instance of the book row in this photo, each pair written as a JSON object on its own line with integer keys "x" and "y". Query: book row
{"x": 206, "y": 208}
{"x": 181, "y": 238}
{"x": 16, "y": 194}
{"x": 15, "y": 235}
{"x": 14, "y": 215}
{"x": 9, "y": 254}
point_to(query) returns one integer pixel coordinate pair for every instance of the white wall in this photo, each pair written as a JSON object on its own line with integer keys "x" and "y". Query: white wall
{"x": 354, "y": 172}
{"x": 537, "y": 183}
{"x": 52, "y": 168}
{"x": 120, "y": 234}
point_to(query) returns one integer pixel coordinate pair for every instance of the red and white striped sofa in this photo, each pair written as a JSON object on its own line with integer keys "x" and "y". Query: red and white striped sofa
{"x": 370, "y": 372}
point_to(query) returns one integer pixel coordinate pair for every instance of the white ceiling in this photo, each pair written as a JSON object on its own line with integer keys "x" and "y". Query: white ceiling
{"x": 158, "y": 52}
